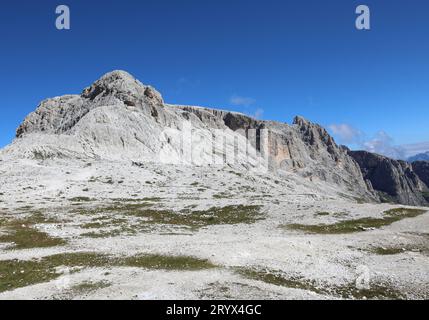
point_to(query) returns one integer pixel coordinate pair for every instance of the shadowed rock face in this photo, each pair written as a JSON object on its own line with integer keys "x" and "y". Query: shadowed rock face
{"x": 421, "y": 168}
{"x": 394, "y": 180}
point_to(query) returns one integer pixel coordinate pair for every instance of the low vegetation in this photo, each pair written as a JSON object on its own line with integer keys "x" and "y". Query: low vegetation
{"x": 322, "y": 213}
{"x": 23, "y": 234}
{"x": 88, "y": 287}
{"x": 223, "y": 195}
{"x": 346, "y": 291}
{"x": 168, "y": 262}
{"x": 387, "y": 251}
{"x": 392, "y": 250}
{"x": 131, "y": 218}
{"x": 16, "y": 274}
{"x": 356, "y": 225}
{"x": 80, "y": 199}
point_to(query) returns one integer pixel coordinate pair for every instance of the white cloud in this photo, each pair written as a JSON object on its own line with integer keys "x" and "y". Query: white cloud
{"x": 346, "y": 133}
{"x": 382, "y": 143}
{"x": 241, "y": 101}
{"x": 416, "y": 148}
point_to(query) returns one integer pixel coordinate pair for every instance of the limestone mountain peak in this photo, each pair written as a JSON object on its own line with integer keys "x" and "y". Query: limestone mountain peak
{"x": 118, "y": 118}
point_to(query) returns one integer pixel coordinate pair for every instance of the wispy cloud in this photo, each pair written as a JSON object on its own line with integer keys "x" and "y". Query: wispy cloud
{"x": 247, "y": 105}
{"x": 416, "y": 148}
{"x": 346, "y": 133}
{"x": 381, "y": 143}
{"x": 241, "y": 101}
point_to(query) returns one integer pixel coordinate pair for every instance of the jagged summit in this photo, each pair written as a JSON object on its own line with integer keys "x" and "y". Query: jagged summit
{"x": 300, "y": 120}
{"x": 60, "y": 114}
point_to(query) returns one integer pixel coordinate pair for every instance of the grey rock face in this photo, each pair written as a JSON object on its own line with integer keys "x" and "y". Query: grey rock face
{"x": 303, "y": 147}
{"x": 55, "y": 115}
{"x": 61, "y": 114}
{"x": 394, "y": 180}
{"x": 118, "y": 117}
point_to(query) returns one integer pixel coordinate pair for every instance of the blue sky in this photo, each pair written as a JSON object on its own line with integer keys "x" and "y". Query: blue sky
{"x": 273, "y": 59}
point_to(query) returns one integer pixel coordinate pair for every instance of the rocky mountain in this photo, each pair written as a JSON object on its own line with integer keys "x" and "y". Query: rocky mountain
{"x": 419, "y": 157}
{"x": 119, "y": 118}
{"x": 393, "y": 180}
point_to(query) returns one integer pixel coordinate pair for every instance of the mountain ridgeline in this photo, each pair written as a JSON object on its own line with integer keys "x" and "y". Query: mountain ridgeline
{"x": 118, "y": 118}
{"x": 419, "y": 157}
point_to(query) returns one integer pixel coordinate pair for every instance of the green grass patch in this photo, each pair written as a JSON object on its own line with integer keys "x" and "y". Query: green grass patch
{"x": 92, "y": 225}
{"x": 149, "y": 218}
{"x": 80, "y": 199}
{"x": 88, "y": 287}
{"x": 421, "y": 248}
{"x": 152, "y": 199}
{"x": 234, "y": 214}
{"x": 128, "y": 230}
{"x": 25, "y": 208}
{"x": 118, "y": 207}
{"x": 78, "y": 259}
{"x": 387, "y": 251}
{"x": 23, "y": 234}
{"x": 168, "y": 262}
{"x": 275, "y": 278}
{"x": 223, "y": 195}
{"x": 346, "y": 291}
{"x": 356, "y": 225}
{"x": 16, "y": 274}
{"x": 322, "y": 213}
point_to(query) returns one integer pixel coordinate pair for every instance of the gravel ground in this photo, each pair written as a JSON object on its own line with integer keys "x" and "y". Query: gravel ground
{"x": 249, "y": 248}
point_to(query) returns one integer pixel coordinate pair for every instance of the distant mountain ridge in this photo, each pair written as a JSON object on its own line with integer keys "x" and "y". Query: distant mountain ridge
{"x": 419, "y": 157}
